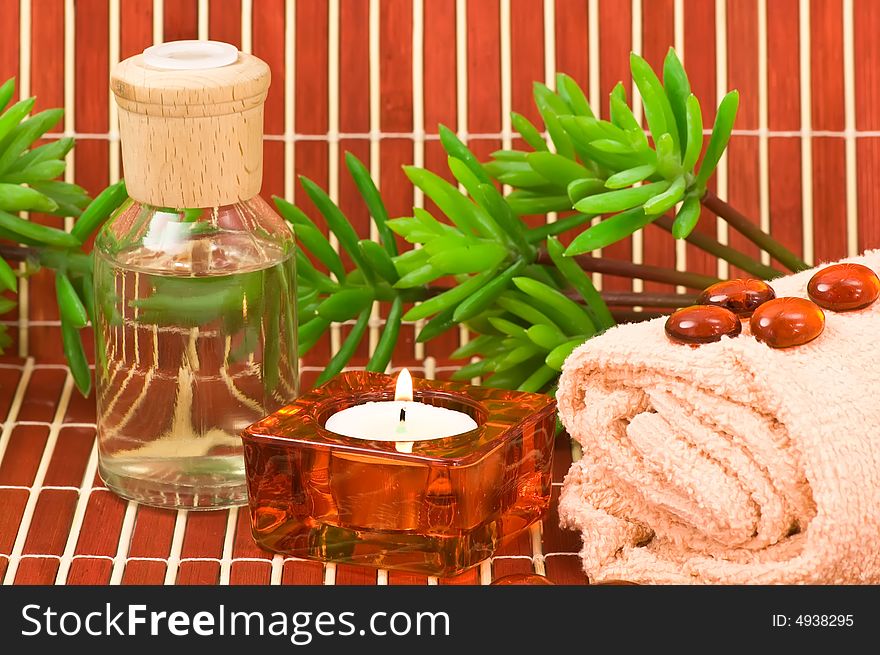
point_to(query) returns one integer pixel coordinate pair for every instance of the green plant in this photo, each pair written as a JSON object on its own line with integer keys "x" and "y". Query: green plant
{"x": 612, "y": 168}
{"x": 28, "y": 184}
{"x": 528, "y": 298}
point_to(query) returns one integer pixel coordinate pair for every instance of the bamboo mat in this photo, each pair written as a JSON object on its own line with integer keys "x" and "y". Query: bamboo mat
{"x": 375, "y": 78}
{"x": 59, "y": 524}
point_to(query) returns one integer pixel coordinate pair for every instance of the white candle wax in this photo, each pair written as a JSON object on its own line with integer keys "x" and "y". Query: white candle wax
{"x": 401, "y": 421}
{"x": 380, "y": 421}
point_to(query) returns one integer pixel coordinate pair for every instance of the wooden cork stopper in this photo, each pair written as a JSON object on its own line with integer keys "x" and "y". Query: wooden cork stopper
{"x": 192, "y": 135}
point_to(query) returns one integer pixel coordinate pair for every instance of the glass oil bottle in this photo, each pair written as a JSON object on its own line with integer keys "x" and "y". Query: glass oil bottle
{"x": 194, "y": 281}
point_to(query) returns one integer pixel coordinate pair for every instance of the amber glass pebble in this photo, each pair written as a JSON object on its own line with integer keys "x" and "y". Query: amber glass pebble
{"x": 843, "y": 287}
{"x": 702, "y": 324}
{"x": 522, "y": 579}
{"x": 787, "y": 322}
{"x": 741, "y": 296}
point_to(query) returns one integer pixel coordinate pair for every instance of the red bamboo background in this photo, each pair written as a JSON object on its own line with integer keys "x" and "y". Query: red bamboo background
{"x": 376, "y": 77}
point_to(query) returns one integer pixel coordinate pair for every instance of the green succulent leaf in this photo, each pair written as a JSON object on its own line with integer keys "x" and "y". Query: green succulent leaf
{"x": 580, "y": 189}
{"x": 12, "y": 117}
{"x": 467, "y": 216}
{"x": 514, "y": 376}
{"x": 694, "y": 123}
{"x": 379, "y": 260}
{"x": 342, "y": 357}
{"x": 24, "y": 134}
{"x": 583, "y": 134}
{"x": 622, "y": 199}
{"x": 668, "y": 161}
{"x": 630, "y": 176}
{"x": 6, "y": 92}
{"x": 483, "y": 298}
{"x": 551, "y": 107}
{"x": 507, "y": 156}
{"x": 336, "y": 220}
{"x": 99, "y": 210}
{"x": 76, "y": 356}
{"x": 678, "y": 89}
{"x": 35, "y": 233}
{"x": 573, "y": 95}
{"x": 39, "y": 172}
{"x": 448, "y": 298}
{"x": 14, "y": 198}
{"x": 416, "y": 277}
{"x": 566, "y": 313}
{"x": 545, "y": 336}
{"x": 556, "y": 168}
{"x": 621, "y": 114}
{"x": 490, "y": 199}
{"x": 344, "y": 304}
{"x": 440, "y": 323}
{"x": 521, "y": 176}
{"x": 558, "y": 355}
{"x": 317, "y": 244}
{"x": 519, "y": 304}
{"x": 485, "y": 343}
{"x": 721, "y": 132}
{"x": 310, "y": 333}
{"x": 370, "y": 193}
{"x": 538, "y": 380}
{"x": 69, "y": 198}
{"x": 456, "y": 148}
{"x": 7, "y": 277}
{"x": 609, "y": 231}
{"x": 595, "y": 306}
{"x": 665, "y": 201}
{"x": 687, "y": 217}
{"x": 658, "y": 111}
{"x": 54, "y": 150}
{"x": 410, "y": 260}
{"x": 515, "y": 331}
{"x": 525, "y": 203}
{"x": 519, "y": 354}
{"x": 546, "y": 99}
{"x": 528, "y": 131}
{"x": 72, "y": 309}
{"x": 476, "y": 369}
{"x": 469, "y": 258}
{"x": 385, "y": 346}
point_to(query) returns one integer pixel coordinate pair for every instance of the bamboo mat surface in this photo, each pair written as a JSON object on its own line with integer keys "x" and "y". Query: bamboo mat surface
{"x": 375, "y": 78}
{"x": 59, "y": 524}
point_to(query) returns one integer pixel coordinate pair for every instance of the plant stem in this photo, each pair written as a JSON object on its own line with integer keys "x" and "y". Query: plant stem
{"x": 728, "y": 254}
{"x": 618, "y": 298}
{"x": 630, "y": 298}
{"x": 621, "y": 268}
{"x": 74, "y": 262}
{"x": 13, "y": 253}
{"x": 753, "y": 233}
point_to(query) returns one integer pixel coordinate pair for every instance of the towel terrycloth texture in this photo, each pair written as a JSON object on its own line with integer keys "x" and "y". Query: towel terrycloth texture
{"x": 732, "y": 462}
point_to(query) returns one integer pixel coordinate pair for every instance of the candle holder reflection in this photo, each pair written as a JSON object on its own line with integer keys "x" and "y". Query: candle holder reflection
{"x": 438, "y": 509}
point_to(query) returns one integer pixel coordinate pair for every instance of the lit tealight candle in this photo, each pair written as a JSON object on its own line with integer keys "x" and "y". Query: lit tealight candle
{"x": 401, "y": 420}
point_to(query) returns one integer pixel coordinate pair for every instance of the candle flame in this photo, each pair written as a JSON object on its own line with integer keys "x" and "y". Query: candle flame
{"x": 404, "y": 388}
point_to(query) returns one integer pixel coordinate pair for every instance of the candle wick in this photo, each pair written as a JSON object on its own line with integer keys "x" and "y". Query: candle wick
{"x": 402, "y": 415}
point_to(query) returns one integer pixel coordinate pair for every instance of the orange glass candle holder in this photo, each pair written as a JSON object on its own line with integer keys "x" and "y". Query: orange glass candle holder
{"x": 438, "y": 510}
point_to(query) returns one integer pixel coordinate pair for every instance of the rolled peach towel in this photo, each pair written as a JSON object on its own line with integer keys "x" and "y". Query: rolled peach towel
{"x": 728, "y": 463}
